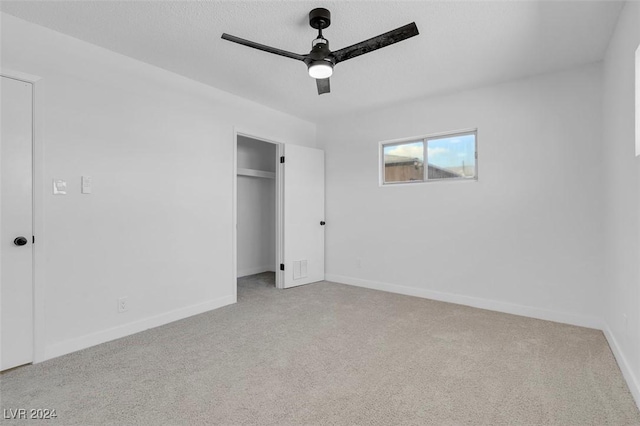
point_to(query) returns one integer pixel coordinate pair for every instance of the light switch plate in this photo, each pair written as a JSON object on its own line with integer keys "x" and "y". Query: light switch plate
{"x": 86, "y": 184}
{"x": 59, "y": 187}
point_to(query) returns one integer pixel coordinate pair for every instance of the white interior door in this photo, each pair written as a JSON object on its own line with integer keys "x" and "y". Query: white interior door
{"x": 303, "y": 215}
{"x": 16, "y": 256}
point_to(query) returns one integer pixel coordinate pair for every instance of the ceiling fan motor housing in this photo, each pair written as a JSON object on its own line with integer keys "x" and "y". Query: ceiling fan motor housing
{"x": 319, "y": 52}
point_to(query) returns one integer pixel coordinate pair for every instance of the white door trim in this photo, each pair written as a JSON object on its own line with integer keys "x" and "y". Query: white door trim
{"x": 234, "y": 214}
{"x": 38, "y": 208}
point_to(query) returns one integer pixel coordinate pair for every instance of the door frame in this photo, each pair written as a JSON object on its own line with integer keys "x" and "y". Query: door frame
{"x": 38, "y": 193}
{"x": 279, "y": 208}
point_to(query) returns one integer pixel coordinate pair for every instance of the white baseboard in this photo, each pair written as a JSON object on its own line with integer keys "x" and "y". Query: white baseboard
{"x": 476, "y": 302}
{"x": 253, "y": 271}
{"x": 93, "y": 339}
{"x": 627, "y": 372}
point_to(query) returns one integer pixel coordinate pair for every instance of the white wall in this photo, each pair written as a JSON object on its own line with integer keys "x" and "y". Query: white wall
{"x": 256, "y": 208}
{"x": 637, "y": 89}
{"x": 157, "y": 227}
{"x": 621, "y": 284}
{"x": 526, "y": 238}
{"x": 256, "y": 225}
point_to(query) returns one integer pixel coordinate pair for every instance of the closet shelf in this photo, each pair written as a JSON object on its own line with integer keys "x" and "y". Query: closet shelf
{"x": 256, "y": 173}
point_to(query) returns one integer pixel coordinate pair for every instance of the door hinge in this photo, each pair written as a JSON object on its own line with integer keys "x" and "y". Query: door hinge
{"x": 282, "y": 266}
{"x": 33, "y": 239}
{"x": 282, "y": 159}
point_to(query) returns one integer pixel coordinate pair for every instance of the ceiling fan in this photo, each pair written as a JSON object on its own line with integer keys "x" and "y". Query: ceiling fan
{"x": 320, "y": 61}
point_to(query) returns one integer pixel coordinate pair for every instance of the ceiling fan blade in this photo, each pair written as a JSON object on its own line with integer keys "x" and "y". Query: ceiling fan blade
{"x": 383, "y": 40}
{"x": 262, "y": 47}
{"x": 323, "y": 85}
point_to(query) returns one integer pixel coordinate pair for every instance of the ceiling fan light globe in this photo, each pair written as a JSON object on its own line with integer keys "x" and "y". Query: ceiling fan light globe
{"x": 320, "y": 69}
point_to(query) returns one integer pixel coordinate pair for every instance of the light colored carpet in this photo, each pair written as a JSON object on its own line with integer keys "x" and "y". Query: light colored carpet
{"x": 333, "y": 354}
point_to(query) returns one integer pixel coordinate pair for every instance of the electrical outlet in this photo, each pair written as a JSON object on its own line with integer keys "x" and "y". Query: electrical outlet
{"x": 625, "y": 321}
{"x": 358, "y": 263}
{"x": 123, "y": 304}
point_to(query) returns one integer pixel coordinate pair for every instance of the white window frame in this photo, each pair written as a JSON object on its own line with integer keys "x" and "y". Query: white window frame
{"x": 425, "y": 140}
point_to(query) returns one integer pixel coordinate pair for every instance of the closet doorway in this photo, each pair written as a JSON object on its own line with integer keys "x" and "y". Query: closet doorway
{"x": 257, "y": 192}
{"x": 278, "y": 211}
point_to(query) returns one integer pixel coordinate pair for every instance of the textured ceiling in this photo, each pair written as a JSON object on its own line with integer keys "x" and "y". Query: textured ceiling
{"x": 461, "y": 44}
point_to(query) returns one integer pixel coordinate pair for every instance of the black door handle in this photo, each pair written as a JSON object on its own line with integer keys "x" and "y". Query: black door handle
{"x": 20, "y": 241}
{"x": 322, "y": 222}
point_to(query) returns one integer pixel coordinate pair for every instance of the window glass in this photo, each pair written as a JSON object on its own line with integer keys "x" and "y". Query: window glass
{"x": 404, "y": 162}
{"x": 452, "y": 157}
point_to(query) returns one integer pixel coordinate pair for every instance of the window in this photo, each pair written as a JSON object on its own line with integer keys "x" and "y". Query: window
{"x": 447, "y": 157}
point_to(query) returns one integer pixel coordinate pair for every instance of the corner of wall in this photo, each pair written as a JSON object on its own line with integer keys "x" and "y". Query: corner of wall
{"x": 623, "y": 363}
